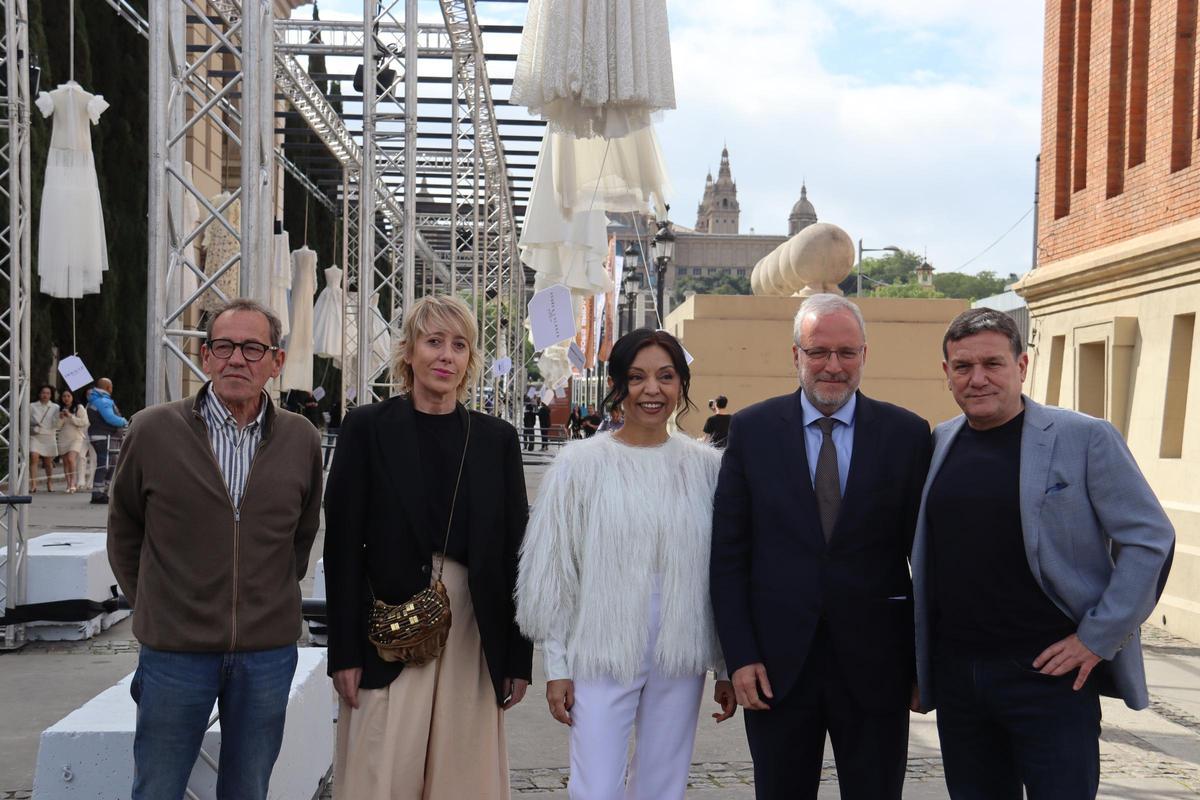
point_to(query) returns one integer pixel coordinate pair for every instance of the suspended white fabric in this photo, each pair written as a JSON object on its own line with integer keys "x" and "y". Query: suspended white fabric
{"x": 565, "y": 235}
{"x": 327, "y": 316}
{"x": 281, "y": 279}
{"x": 298, "y": 369}
{"x": 380, "y": 342}
{"x": 595, "y": 67}
{"x": 72, "y": 250}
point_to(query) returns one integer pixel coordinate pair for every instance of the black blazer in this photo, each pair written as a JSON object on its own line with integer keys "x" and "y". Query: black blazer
{"x": 373, "y": 498}
{"x": 773, "y": 577}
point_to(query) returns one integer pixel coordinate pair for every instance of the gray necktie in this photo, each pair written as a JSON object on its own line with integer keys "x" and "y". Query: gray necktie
{"x": 826, "y": 484}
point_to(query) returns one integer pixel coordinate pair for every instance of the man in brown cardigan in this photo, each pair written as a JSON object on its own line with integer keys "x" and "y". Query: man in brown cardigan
{"x": 215, "y": 505}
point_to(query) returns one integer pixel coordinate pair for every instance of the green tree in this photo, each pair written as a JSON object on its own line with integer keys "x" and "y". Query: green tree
{"x": 891, "y": 269}
{"x": 970, "y": 287}
{"x": 912, "y": 290}
{"x": 726, "y": 283}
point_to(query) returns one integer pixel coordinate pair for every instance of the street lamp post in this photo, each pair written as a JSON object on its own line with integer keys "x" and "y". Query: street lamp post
{"x": 861, "y": 250}
{"x": 632, "y": 280}
{"x": 664, "y": 252}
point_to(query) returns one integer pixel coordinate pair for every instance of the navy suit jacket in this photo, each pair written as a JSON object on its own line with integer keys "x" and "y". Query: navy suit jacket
{"x": 773, "y": 577}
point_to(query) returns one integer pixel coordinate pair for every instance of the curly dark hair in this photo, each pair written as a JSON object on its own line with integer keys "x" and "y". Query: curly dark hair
{"x": 625, "y": 350}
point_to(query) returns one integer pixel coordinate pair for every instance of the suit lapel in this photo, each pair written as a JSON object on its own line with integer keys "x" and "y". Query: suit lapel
{"x": 796, "y": 472}
{"x": 863, "y": 455}
{"x": 1037, "y": 446}
{"x": 398, "y": 441}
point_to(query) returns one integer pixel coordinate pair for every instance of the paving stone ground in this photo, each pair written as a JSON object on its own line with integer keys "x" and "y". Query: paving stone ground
{"x": 1147, "y": 755}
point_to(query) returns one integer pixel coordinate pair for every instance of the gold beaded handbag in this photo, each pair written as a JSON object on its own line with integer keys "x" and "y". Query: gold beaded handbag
{"x": 415, "y": 630}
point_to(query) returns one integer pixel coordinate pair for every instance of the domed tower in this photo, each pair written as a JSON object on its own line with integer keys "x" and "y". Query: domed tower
{"x": 719, "y": 211}
{"x": 704, "y": 210}
{"x": 803, "y": 214}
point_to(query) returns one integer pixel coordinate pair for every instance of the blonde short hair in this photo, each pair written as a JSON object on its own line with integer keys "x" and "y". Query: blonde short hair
{"x": 432, "y": 313}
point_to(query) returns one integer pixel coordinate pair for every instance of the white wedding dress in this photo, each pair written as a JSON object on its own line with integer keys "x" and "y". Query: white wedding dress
{"x": 72, "y": 250}
{"x": 298, "y": 368}
{"x": 281, "y": 280}
{"x": 595, "y": 67}
{"x": 327, "y": 316}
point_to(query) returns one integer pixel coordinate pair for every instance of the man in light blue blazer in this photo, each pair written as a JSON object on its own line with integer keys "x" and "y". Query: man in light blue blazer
{"x": 1039, "y": 551}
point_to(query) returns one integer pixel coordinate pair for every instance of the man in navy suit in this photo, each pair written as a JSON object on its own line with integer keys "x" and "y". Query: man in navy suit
{"x": 1040, "y": 549}
{"x": 812, "y": 524}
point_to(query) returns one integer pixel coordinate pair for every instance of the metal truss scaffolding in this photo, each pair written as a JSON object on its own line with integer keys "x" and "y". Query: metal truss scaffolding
{"x": 400, "y": 240}
{"x": 15, "y": 278}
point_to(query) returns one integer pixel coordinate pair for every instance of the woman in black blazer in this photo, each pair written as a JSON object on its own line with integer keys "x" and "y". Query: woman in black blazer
{"x": 435, "y": 730}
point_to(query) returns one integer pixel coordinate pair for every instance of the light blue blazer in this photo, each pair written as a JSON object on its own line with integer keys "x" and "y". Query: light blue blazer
{"x": 1081, "y": 495}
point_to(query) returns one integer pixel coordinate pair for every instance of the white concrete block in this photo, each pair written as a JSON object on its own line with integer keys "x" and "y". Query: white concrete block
{"x": 88, "y": 755}
{"x": 317, "y": 631}
{"x": 69, "y": 565}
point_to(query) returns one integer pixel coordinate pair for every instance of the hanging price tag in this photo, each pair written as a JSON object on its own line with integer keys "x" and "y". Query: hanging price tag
{"x": 74, "y": 372}
{"x": 550, "y": 317}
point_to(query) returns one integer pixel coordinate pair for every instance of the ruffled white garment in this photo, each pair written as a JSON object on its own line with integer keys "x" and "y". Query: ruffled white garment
{"x": 595, "y": 67}
{"x": 327, "y": 316}
{"x": 72, "y": 249}
{"x": 565, "y": 237}
{"x": 379, "y": 342}
{"x": 281, "y": 279}
{"x": 298, "y": 369}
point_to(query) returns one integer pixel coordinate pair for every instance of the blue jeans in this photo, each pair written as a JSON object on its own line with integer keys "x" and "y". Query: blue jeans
{"x": 1002, "y": 724}
{"x": 175, "y": 693}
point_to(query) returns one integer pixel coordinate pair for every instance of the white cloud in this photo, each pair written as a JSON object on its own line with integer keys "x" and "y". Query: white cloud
{"x": 919, "y": 160}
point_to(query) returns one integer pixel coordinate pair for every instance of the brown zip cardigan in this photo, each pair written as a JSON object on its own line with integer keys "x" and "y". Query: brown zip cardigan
{"x": 201, "y": 576}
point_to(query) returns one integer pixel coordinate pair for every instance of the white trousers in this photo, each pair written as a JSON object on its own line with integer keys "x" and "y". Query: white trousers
{"x": 664, "y": 710}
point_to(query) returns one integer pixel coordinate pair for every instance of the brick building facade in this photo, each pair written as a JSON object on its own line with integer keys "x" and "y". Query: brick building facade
{"x": 1115, "y": 291}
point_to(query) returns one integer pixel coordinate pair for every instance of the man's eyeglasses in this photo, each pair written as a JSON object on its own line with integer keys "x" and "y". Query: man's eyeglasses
{"x": 251, "y": 351}
{"x": 846, "y": 355}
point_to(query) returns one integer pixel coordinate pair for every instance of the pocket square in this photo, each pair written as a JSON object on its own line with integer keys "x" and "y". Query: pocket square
{"x": 1058, "y": 487}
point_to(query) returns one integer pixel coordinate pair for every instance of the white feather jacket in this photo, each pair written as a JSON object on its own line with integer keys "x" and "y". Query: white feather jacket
{"x": 607, "y": 518}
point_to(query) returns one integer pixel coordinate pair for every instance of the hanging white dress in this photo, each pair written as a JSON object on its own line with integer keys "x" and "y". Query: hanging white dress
{"x": 379, "y": 343}
{"x": 281, "y": 279}
{"x": 189, "y": 279}
{"x": 595, "y": 67}
{"x": 298, "y": 368}
{"x": 220, "y": 245}
{"x": 72, "y": 250}
{"x": 327, "y": 316}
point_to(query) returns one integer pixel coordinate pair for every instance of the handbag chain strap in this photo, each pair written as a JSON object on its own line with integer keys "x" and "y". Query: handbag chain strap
{"x": 454, "y": 497}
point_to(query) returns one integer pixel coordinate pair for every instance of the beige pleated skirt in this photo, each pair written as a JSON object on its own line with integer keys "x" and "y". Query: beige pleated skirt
{"x": 436, "y": 732}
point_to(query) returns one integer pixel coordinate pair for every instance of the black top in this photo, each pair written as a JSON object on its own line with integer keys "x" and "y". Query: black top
{"x": 986, "y": 601}
{"x": 376, "y": 518}
{"x": 440, "y": 444}
{"x": 717, "y": 428}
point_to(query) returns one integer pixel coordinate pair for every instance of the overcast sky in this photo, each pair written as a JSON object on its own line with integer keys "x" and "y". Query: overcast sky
{"x": 913, "y": 122}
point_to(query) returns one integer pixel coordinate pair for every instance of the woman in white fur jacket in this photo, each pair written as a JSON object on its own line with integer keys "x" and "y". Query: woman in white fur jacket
{"x": 613, "y": 582}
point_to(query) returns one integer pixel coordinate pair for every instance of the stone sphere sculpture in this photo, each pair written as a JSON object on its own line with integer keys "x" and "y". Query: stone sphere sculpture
{"x": 814, "y": 261}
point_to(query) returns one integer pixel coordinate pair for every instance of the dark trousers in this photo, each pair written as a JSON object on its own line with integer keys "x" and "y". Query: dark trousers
{"x": 1004, "y": 725}
{"x": 528, "y": 422}
{"x": 787, "y": 743}
{"x": 104, "y": 469}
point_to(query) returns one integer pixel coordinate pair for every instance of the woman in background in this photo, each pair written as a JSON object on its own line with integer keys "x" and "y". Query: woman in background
{"x": 72, "y": 437}
{"x": 43, "y": 436}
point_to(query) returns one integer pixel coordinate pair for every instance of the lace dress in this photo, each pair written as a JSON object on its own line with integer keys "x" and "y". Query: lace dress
{"x": 595, "y": 67}
{"x": 72, "y": 250}
{"x": 219, "y": 247}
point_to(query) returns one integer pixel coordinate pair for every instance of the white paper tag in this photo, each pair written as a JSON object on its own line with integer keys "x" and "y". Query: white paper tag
{"x": 351, "y": 393}
{"x": 560, "y": 392}
{"x": 575, "y": 356}
{"x": 687, "y": 356}
{"x": 550, "y": 317}
{"x": 74, "y": 372}
{"x": 547, "y": 396}
{"x": 318, "y": 393}
{"x": 502, "y": 367}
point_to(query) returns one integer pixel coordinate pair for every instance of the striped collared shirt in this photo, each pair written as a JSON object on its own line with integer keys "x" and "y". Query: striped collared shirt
{"x": 234, "y": 448}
